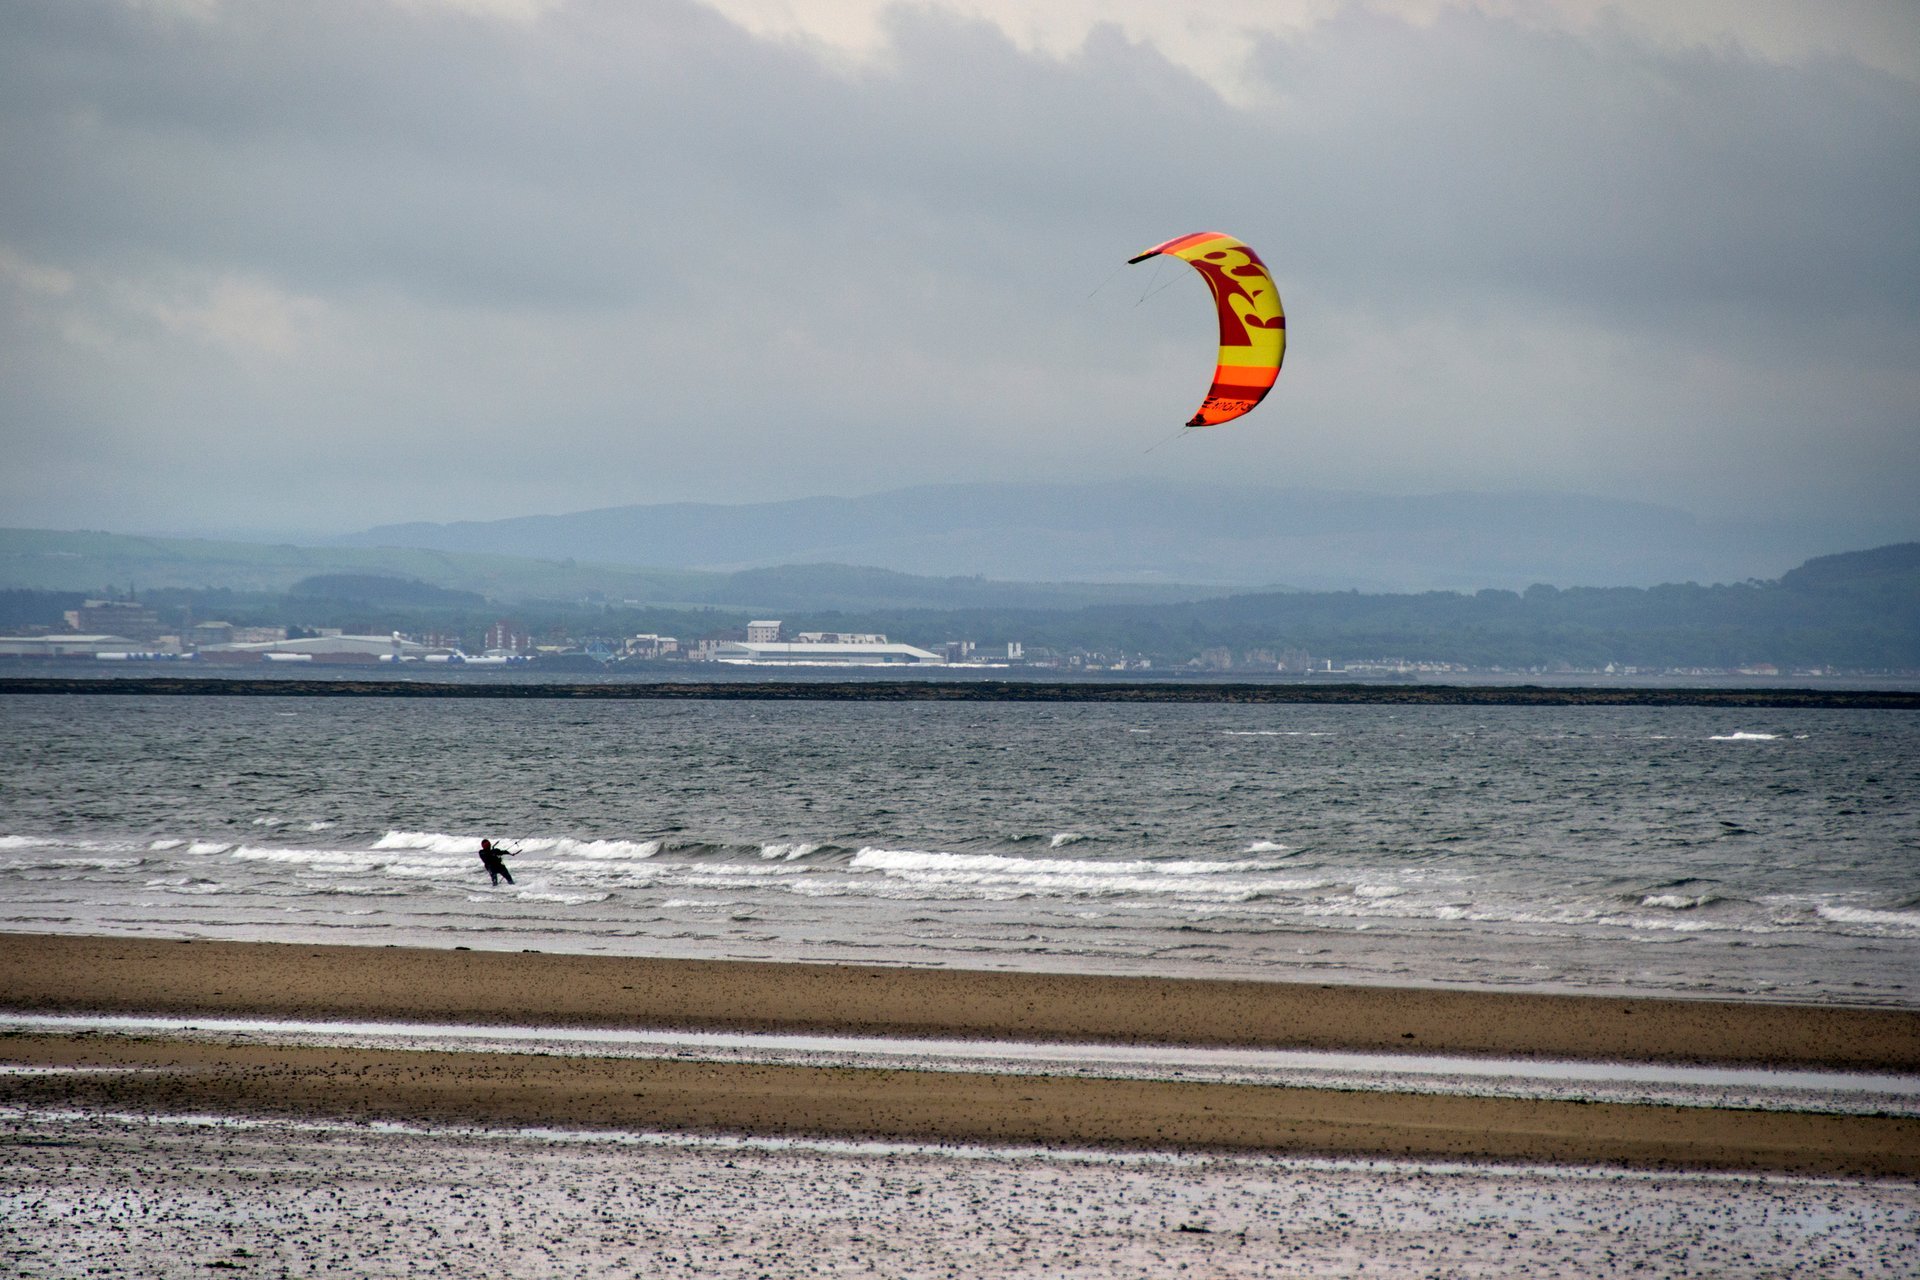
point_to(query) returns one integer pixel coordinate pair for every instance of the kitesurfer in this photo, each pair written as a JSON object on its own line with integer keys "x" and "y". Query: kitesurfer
{"x": 490, "y": 859}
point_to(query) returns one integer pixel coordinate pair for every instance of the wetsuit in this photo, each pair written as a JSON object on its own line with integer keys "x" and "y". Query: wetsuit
{"x": 490, "y": 859}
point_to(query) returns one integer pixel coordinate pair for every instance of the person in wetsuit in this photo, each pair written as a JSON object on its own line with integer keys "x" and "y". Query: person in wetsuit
{"x": 490, "y": 859}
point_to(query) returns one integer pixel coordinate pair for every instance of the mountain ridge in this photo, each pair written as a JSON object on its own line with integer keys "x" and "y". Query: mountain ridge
{"x": 1232, "y": 537}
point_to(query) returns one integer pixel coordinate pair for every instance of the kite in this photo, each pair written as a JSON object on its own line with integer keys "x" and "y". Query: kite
{"x": 1253, "y": 328}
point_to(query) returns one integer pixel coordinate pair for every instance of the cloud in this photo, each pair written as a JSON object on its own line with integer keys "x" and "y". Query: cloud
{"x": 366, "y": 261}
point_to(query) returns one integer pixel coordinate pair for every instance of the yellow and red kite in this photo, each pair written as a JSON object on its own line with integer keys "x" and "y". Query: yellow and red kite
{"x": 1253, "y": 328}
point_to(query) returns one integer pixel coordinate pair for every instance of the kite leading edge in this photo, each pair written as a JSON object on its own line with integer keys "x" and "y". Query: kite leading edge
{"x": 1253, "y": 328}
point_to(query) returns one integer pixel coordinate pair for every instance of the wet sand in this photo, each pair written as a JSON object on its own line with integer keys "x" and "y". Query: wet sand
{"x": 508, "y": 1090}
{"x": 177, "y": 1197}
{"x": 170, "y": 1157}
{"x": 60, "y": 974}
{"x": 65, "y": 974}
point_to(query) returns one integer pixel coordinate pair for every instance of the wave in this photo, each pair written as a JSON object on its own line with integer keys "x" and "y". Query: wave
{"x": 329, "y": 857}
{"x": 1268, "y": 846}
{"x": 1870, "y": 916}
{"x": 891, "y": 860}
{"x": 79, "y": 844}
{"x": 96, "y": 863}
{"x": 1065, "y": 838}
{"x": 1741, "y": 735}
{"x": 429, "y": 841}
{"x": 568, "y": 847}
{"x": 561, "y": 846}
{"x": 1275, "y": 733}
{"x": 1677, "y": 901}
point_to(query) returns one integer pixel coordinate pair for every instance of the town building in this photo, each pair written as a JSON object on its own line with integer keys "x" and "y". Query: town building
{"x": 115, "y": 617}
{"x": 869, "y": 651}
{"x": 504, "y": 638}
{"x": 63, "y": 646}
{"x": 329, "y": 650}
{"x": 649, "y": 645}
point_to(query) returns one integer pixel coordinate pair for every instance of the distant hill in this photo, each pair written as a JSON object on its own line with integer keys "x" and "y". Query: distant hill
{"x": 1856, "y": 611}
{"x": 1134, "y": 531}
{"x": 378, "y": 588}
{"x": 50, "y": 560}
{"x": 1859, "y": 610}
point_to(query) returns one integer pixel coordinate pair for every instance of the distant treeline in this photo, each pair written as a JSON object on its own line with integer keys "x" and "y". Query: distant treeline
{"x": 1858, "y": 611}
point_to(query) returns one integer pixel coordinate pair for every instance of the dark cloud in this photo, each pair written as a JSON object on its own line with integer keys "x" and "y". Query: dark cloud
{"x": 631, "y": 252}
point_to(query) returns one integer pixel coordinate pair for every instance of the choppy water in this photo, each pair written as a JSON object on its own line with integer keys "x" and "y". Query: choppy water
{"x": 1772, "y": 853}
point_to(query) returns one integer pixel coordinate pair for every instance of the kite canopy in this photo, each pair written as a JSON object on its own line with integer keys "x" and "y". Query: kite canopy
{"x": 1253, "y": 328}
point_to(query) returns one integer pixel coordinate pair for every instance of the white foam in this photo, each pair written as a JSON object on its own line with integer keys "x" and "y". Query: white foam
{"x": 427, "y": 870}
{"x": 1676, "y": 901}
{"x": 789, "y": 852}
{"x": 208, "y": 846}
{"x": 87, "y": 864}
{"x": 19, "y": 842}
{"x": 319, "y": 857}
{"x": 603, "y": 849}
{"x": 1267, "y": 846}
{"x": 1065, "y": 838}
{"x": 1866, "y": 915}
{"x": 430, "y": 841}
{"x": 158, "y": 846}
{"x": 897, "y": 860}
{"x": 1741, "y": 735}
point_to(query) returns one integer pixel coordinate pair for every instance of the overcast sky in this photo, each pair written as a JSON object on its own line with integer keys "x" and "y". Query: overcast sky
{"x": 276, "y": 265}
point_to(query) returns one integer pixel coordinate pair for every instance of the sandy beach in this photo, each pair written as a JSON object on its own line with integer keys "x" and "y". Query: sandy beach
{"x": 65, "y": 974}
{"x": 43, "y": 974}
{"x": 168, "y": 1155}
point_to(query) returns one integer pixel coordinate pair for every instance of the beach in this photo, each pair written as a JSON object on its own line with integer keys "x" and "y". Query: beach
{"x": 218, "y": 979}
{"x": 169, "y": 1154}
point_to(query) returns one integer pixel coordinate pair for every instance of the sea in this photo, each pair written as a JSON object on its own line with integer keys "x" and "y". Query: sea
{"x": 1771, "y": 854}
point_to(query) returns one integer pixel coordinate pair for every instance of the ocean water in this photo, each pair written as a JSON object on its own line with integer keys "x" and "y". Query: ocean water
{"x": 1654, "y": 851}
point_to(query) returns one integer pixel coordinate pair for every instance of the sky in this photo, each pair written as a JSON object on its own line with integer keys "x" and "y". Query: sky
{"x": 268, "y": 266}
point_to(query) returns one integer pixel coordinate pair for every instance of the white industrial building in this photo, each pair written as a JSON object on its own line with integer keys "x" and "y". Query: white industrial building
{"x": 326, "y": 649}
{"x": 64, "y": 646}
{"x": 867, "y": 650}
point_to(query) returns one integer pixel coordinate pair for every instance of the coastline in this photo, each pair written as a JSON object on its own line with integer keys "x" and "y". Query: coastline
{"x": 61, "y": 973}
{"x": 52, "y": 973}
{"x": 541, "y": 1091}
{"x": 970, "y": 690}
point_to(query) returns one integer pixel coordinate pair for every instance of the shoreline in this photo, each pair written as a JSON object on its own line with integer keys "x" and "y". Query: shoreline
{"x": 545, "y": 1092}
{"x": 59, "y": 973}
{"x": 69, "y": 973}
{"x": 969, "y": 690}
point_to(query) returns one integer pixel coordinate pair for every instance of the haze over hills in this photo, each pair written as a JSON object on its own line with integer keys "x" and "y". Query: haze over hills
{"x": 1137, "y": 531}
{"x": 1857, "y": 612}
{"x": 113, "y": 563}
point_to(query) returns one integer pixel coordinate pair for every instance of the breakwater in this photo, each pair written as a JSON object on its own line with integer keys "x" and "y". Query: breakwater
{"x": 983, "y": 691}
